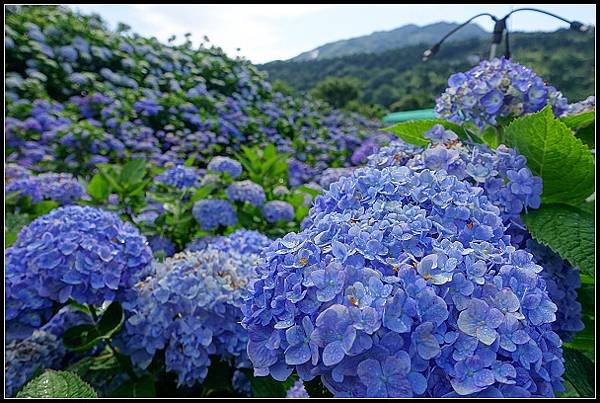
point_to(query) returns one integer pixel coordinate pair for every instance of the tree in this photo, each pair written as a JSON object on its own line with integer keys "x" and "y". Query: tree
{"x": 337, "y": 91}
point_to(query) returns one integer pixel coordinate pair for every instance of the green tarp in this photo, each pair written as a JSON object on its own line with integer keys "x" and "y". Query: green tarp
{"x": 419, "y": 114}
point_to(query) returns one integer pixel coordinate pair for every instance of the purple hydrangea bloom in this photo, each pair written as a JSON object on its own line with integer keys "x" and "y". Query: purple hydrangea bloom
{"x": 379, "y": 304}
{"x": 246, "y": 191}
{"x": 191, "y": 308}
{"x": 331, "y": 175}
{"x": 74, "y": 252}
{"x": 212, "y": 213}
{"x": 587, "y": 105}
{"x": 225, "y": 165}
{"x": 496, "y": 89}
{"x": 277, "y": 210}
{"x": 161, "y": 245}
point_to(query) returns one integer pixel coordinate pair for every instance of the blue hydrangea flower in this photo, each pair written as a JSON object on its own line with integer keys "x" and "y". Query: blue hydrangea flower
{"x": 421, "y": 314}
{"x": 180, "y": 177}
{"x": 242, "y": 240}
{"x": 587, "y": 105}
{"x": 439, "y": 134}
{"x": 161, "y": 245}
{"x": 331, "y": 175}
{"x": 191, "y": 308}
{"x": 246, "y": 191}
{"x": 62, "y": 188}
{"x": 225, "y": 165}
{"x": 496, "y": 89}
{"x": 277, "y": 210}
{"x": 81, "y": 253}
{"x": 212, "y": 213}
{"x": 42, "y": 350}
{"x": 297, "y": 391}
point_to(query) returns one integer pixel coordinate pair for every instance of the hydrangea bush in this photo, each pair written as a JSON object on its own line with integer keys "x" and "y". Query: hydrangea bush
{"x": 395, "y": 272}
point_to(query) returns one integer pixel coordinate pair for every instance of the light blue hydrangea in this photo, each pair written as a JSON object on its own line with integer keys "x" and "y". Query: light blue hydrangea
{"x": 190, "y": 308}
{"x": 246, "y": 191}
{"x": 181, "y": 177}
{"x": 225, "y": 165}
{"x": 277, "y": 210}
{"x": 212, "y": 213}
{"x": 496, "y": 89}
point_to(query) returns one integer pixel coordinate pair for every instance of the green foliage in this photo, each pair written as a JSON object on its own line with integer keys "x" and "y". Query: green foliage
{"x": 142, "y": 387}
{"x": 57, "y": 384}
{"x": 579, "y": 371}
{"x": 582, "y": 125}
{"x": 413, "y": 131}
{"x": 337, "y": 91}
{"x": 397, "y": 79}
{"x": 266, "y": 386}
{"x": 264, "y": 165}
{"x": 316, "y": 389}
{"x": 567, "y": 231}
{"x": 555, "y": 155}
{"x": 84, "y": 337}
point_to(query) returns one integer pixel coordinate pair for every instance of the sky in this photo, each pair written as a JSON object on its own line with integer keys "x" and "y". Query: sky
{"x": 277, "y": 32}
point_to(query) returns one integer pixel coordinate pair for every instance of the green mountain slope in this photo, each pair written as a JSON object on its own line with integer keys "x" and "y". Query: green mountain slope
{"x": 398, "y": 79}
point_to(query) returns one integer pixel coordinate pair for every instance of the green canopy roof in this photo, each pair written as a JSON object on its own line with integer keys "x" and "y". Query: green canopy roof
{"x": 419, "y": 114}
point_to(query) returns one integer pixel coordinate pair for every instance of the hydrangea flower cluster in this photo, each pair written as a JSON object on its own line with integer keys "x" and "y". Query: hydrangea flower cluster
{"x": 402, "y": 284}
{"x": 180, "y": 176}
{"x": 225, "y": 165}
{"x": 75, "y": 252}
{"x": 190, "y": 308}
{"x": 161, "y": 245}
{"x": 41, "y": 350}
{"x": 331, "y": 175}
{"x": 495, "y": 89}
{"x": 509, "y": 184}
{"x": 246, "y": 191}
{"x": 60, "y": 187}
{"x": 562, "y": 282}
{"x": 502, "y": 173}
{"x": 587, "y": 105}
{"x": 242, "y": 241}
{"x": 212, "y": 213}
{"x": 277, "y": 210}
{"x": 297, "y": 391}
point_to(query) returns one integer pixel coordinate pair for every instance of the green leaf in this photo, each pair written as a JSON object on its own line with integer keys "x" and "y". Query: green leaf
{"x": 566, "y": 230}
{"x": 266, "y": 386}
{"x": 201, "y": 193}
{"x": 133, "y": 172}
{"x": 44, "y": 207}
{"x": 413, "y": 131}
{"x": 55, "y": 384}
{"x": 143, "y": 387}
{"x": 579, "y": 371}
{"x": 565, "y": 164}
{"x": 190, "y": 161}
{"x": 98, "y": 188}
{"x": 580, "y": 120}
{"x": 84, "y": 337}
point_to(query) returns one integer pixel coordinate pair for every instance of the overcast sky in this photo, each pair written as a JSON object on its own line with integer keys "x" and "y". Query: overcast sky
{"x": 277, "y": 32}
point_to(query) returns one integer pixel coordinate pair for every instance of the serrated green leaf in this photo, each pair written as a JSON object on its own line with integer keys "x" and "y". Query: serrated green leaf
{"x": 133, "y": 172}
{"x": 566, "y": 230}
{"x": 565, "y": 164}
{"x": 57, "y": 384}
{"x": 579, "y": 371}
{"x": 98, "y": 188}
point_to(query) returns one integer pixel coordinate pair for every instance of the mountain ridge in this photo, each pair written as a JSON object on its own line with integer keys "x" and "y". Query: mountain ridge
{"x": 381, "y": 41}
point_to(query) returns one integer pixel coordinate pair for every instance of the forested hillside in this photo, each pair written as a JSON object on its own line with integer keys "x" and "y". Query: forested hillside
{"x": 398, "y": 79}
